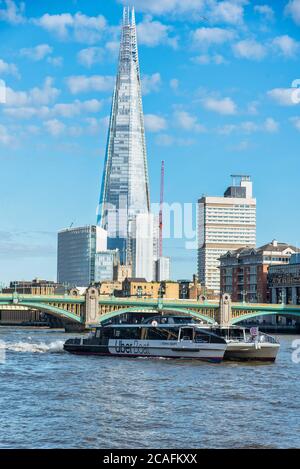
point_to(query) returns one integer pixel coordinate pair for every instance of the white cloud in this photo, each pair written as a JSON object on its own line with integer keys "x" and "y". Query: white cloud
{"x": 12, "y": 13}
{"x": 55, "y": 61}
{"x": 83, "y": 84}
{"x": 204, "y": 37}
{"x": 186, "y": 121}
{"x": 76, "y": 108}
{"x": 224, "y": 106}
{"x": 112, "y": 47}
{"x": 159, "y": 7}
{"x": 205, "y": 59}
{"x": 5, "y": 138}
{"x": 166, "y": 140}
{"x": 252, "y": 107}
{"x": 151, "y": 83}
{"x": 174, "y": 84}
{"x": 90, "y": 56}
{"x": 249, "y": 49}
{"x": 271, "y": 125}
{"x": 283, "y": 96}
{"x": 152, "y": 33}
{"x": 286, "y": 45}
{"x": 266, "y": 11}
{"x": 230, "y": 12}
{"x": 66, "y": 110}
{"x": 296, "y": 122}
{"x": 37, "y": 53}
{"x": 242, "y": 146}
{"x": 54, "y": 127}
{"x": 35, "y": 96}
{"x": 27, "y": 112}
{"x": 154, "y": 123}
{"x": 6, "y": 68}
{"x": 82, "y": 28}
{"x": 293, "y": 9}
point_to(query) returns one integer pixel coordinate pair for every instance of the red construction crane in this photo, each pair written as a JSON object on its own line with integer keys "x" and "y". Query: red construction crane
{"x": 162, "y": 177}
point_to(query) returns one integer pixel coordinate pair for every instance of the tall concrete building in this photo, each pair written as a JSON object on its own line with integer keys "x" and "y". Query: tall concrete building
{"x": 76, "y": 250}
{"x": 162, "y": 269}
{"x": 224, "y": 223}
{"x": 143, "y": 246}
{"x": 125, "y": 186}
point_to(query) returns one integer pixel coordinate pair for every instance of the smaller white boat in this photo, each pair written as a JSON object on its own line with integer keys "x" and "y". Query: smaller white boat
{"x": 242, "y": 344}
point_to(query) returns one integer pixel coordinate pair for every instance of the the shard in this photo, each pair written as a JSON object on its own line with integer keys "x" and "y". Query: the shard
{"x": 125, "y": 185}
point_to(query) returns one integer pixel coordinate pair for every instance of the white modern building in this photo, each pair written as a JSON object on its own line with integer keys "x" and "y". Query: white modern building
{"x": 143, "y": 246}
{"x": 224, "y": 223}
{"x": 162, "y": 269}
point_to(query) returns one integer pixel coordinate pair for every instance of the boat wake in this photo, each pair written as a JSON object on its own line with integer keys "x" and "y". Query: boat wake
{"x": 42, "y": 347}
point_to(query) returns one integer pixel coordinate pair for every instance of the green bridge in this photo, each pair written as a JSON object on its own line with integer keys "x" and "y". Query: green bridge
{"x": 91, "y": 308}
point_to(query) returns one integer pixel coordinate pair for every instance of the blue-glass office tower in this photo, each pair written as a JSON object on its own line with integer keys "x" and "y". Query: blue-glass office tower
{"x": 125, "y": 186}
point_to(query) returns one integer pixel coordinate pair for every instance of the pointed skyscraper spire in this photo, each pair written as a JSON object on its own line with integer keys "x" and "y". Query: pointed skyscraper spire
{"x": 125, "y": 186}
{"x": 132, "y": 17}
{"x": 126, "y": 21}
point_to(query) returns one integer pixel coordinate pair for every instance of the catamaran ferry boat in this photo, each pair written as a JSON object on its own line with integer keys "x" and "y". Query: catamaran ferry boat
{"x": 243, "y": 344}
{"x": 153, "y": 339}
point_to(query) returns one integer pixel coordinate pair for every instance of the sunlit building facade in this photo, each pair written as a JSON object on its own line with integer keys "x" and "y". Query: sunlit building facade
{"x": 224, "y": 223}
{"x": 125, "y": 186}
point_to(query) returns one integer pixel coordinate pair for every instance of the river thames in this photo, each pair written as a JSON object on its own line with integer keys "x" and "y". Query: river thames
{"x": 51, "y": 399}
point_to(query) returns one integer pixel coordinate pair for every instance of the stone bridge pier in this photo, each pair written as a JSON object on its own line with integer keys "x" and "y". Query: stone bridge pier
{"x": 224, "y": 312}
{"x": 91, "y": 309}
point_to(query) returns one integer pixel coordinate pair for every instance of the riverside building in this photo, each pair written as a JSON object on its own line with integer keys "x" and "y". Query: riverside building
{"x": 224, "y": 223}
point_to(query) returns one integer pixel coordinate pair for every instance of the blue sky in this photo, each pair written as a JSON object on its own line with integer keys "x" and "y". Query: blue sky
{"x": 218, "y": 99}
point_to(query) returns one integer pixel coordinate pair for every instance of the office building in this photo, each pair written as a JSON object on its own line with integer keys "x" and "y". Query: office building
{"x": 284, "y": 281}
{"x": 105, "y": 261}
{"x": 125, "y": 186}
{"x": 224, "y": 223}
{"x": 162, "y": 269}
{"x": 143, "y": 246}
{"x": 76, "y": 254}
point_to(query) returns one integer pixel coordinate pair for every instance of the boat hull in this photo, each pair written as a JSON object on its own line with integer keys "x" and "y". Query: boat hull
{"x": 251, "y": 351}
{"x": 207, "y": 352}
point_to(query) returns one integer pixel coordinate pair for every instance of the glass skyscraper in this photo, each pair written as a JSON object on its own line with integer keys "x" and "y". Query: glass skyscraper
{"x": 125, "y": 185}
{"x": 76, "y": 251}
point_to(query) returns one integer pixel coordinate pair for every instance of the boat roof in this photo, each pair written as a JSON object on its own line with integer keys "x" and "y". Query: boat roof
{"x": 149, "y": 325}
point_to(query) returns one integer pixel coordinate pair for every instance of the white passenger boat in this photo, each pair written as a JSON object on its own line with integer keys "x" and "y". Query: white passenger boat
{"x": 154, "y": 339}
{"x": 242, "y": 343}
{"x": 254, "y": 345}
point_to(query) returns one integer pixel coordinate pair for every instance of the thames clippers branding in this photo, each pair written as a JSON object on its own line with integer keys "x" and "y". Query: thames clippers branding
{"x": 130, "y": 347}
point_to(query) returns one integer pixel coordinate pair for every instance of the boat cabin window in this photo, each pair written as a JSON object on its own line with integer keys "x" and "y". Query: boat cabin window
{"x": 161, "y": 333}
{"x": 98, "y": 333}
{"x": 186, "y": 333}
{"x": 201, "y": 337}
{"x": 107, "y": 333}
{"x": 182, "y": 319}
{"x": 127, "y": 333}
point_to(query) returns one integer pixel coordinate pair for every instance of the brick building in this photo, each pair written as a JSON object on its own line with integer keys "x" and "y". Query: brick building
{"x": 244, "y": 271}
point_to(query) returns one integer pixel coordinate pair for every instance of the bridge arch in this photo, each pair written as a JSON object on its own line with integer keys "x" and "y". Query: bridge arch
{"x": 188, "y": 312}
{"x": 53, "y": 310}
{"x": 257, "y": 314}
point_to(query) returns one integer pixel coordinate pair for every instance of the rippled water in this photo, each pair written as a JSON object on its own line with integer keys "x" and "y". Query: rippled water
{"x": 51, "y": 399}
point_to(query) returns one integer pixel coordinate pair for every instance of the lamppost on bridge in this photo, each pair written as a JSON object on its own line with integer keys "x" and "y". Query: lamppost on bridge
{"x": 244, "y": 294}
